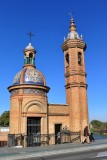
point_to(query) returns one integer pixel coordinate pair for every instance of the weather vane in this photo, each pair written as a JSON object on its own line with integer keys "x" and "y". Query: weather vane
{"x": 30, "y": 35}
{"x": 71, "y": 14}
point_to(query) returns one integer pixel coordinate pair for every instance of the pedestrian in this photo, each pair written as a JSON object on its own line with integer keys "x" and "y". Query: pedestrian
{"x": 91, "y": 137}
{"x": 58, "y": 137}
{"x": 86, "y": 135}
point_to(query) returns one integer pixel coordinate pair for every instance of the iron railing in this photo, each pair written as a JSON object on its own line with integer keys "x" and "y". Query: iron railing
{"x": 41, "y": 139}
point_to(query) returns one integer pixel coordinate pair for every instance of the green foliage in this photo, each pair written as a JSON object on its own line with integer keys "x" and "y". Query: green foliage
{"x": 4, "y": 119}
{"x": 92, "y": 129}
{"x": 98, "y": 125}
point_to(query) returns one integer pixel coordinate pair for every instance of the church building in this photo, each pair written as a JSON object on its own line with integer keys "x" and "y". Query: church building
{"x": 30, "y": 111}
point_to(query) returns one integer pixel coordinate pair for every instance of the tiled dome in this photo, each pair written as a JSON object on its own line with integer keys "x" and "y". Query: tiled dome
{"x": 29, "y": 76}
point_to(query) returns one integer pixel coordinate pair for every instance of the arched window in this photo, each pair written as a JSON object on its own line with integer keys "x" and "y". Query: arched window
{"x": 67, "y": 58}
{"x": 25, "y": 61}
{"x": 79, "y": 58}
{"x": 31, "y": 58}
{"x": 31, "y": 55}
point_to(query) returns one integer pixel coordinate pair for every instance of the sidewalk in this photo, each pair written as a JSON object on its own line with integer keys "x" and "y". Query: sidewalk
{"x": 21, "y": 153}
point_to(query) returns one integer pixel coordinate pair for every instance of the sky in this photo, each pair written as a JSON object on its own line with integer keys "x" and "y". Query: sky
{"x": 49, "y": 21}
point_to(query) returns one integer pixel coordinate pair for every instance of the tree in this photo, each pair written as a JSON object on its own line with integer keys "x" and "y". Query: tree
{"x": 4, "y": 119}
{"x": 98, "y": 125}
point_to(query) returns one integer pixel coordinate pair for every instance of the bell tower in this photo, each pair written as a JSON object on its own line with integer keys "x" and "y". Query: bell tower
{"x": 75, "y": 75}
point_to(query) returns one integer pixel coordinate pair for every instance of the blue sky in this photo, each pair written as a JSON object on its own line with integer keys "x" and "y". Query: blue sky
{"x": 49, "y": 21}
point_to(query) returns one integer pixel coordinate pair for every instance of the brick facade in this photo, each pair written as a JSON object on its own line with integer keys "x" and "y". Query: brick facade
{"x": 29, "y": 98}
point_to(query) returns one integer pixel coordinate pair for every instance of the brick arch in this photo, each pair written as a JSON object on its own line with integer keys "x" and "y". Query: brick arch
{"x": 33, "y": 105}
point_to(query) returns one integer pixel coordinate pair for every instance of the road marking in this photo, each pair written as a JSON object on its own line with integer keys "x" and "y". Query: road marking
{"x": 102, "y": 154}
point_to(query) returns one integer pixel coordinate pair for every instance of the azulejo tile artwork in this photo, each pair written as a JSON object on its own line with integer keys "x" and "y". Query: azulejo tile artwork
{"x": 14, "y": 92}
{"x": 33, "y": 91}
{"x": 29, "y": 91}
{"x": 17, "y": 78}
{"x": 33, "y": 76}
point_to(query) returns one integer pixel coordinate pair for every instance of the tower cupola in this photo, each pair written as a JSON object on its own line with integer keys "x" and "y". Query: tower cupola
{"x": 29, "y": 55}
{"x": 72, "y": 34}
{"x": 73, "y": 39}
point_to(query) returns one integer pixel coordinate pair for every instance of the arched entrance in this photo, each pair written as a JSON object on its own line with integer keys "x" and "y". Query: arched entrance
{"x": 33, "y": 131}
{"x": 33, "y": 125}
{"x": 34, "y": 112}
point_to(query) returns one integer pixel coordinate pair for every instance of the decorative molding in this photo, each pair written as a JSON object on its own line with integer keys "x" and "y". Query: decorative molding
{"x": 81, "y": 73}
{"x": 25, "y": 114}
{"x": 34, "y": 102}
{"x": 29, "y": 86}
{"x": 58, "y": 114}
{"x": 20, "y": 99}
{"x": 81, "y": 84}
{"x": 73, "y": 44}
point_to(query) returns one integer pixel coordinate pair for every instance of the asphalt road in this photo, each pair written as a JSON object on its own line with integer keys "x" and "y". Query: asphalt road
{"x": 69, "y": 151}
{"x": 100, "y": 154}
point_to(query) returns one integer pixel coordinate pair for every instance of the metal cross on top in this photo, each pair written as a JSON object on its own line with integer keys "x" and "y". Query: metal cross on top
{"x": 71, "y": 14}
{"x": 30, "y": 35}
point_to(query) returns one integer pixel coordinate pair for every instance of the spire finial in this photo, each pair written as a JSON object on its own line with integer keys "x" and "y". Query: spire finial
{"x": 72, "y": 23}
{"x": 71, "y": 15}
{"x": 30, "y": 35}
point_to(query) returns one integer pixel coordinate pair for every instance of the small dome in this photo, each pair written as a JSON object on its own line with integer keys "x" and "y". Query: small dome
{"x": 29, "y": 46}
{"x": 73, "y": 35}
{"x": 29, "y": 76}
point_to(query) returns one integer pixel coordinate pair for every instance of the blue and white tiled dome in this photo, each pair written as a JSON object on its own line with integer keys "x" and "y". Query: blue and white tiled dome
{"x": 29, "y": 76}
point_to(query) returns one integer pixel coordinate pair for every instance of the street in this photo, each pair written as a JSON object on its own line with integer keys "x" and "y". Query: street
{"x": 91, "y": 155}
{"x": 70, "y": 151}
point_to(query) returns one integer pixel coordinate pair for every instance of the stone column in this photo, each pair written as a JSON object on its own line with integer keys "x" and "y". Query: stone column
{"x": 19, "y": 124}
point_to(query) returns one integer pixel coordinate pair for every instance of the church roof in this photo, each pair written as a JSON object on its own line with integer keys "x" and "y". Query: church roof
{"x": 29, "y": 46}
{"x": 29, "y": 76}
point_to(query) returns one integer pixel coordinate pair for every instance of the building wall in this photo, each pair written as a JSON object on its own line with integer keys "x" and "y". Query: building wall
{"x": 64, "y": 120}
{"x": 27, "y": 106}
{"x": 58, "y": 109}
{"x": 58, "y": 114}
{"x": 73, "y": 114}
{"x": 4, "y": 131}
